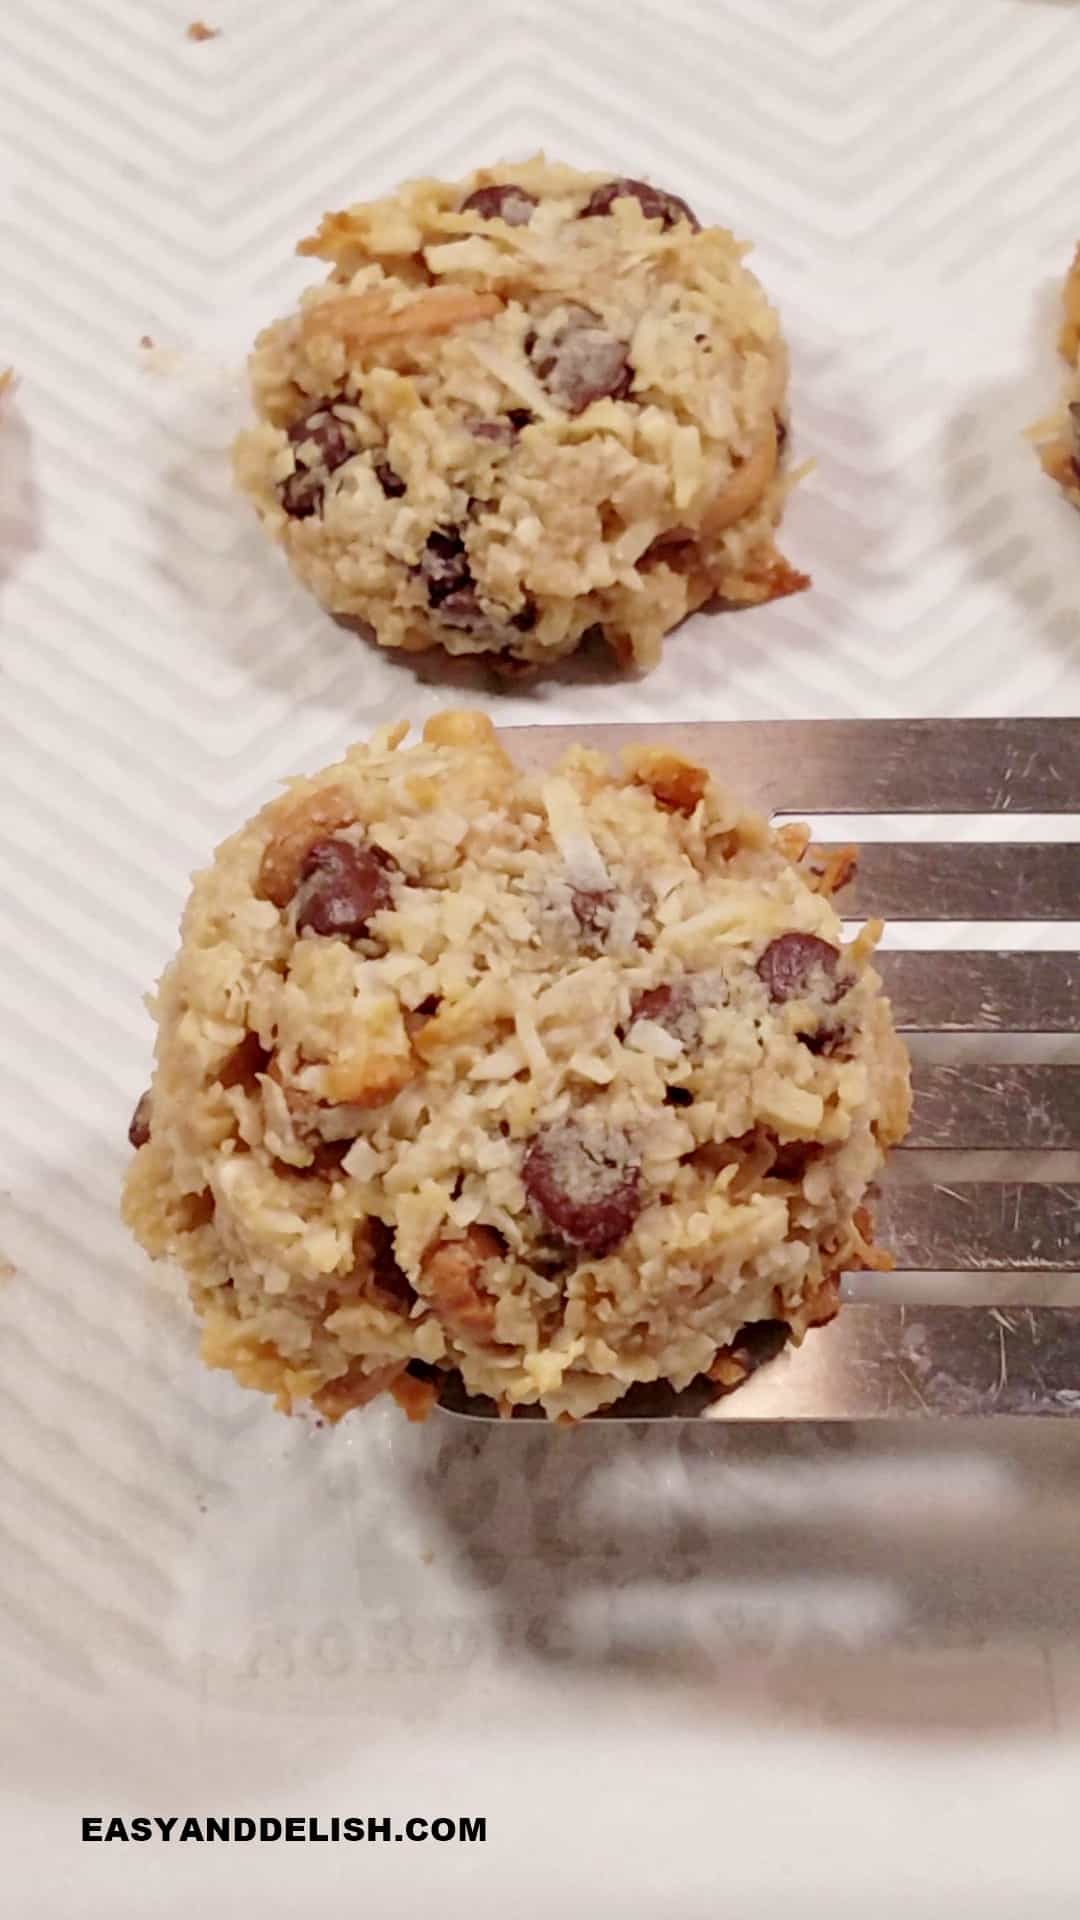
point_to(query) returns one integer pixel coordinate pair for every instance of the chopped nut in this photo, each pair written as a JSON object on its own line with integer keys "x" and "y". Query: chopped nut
{"x": 468, "y": 1019}
{"x": 368, "y": 1079}
{"x": 675, "y": 783}
{"x": 459, "y": 727}
{"x": 248, "y": 1058}
{"x": 451, "y": 1270}
{"x": 828, "y": 872}
{"x": 300, "y": 823}
{"x": 774, "y": 579}
{"x": 793, "y": 839}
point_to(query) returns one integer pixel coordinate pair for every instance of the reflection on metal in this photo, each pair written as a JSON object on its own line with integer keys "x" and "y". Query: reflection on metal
{"x": 885, "y": 1363}
{"x": 859, "y": 766}
{"x": 965, "y": 880}
{"x": 957, "y": 992}
{"x": 878, "y": 1361}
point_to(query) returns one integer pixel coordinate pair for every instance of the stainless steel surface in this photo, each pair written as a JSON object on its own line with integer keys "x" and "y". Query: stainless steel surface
{"x": 955, "y": 992}
{"x": 885, "y": 1361}
{"x": 971, "y": 1107}
{"x": 986, "y": 1225}
{"x": 862, "y": 766}
{"x": 892, "y": 1363}
{"x": 965, "y": 880}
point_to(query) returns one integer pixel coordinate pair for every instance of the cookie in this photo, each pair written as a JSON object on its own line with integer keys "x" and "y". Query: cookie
{"x": 524, "y": 408}
{"x": 1059, "y": 444}
{"x": 554, "y": 1081}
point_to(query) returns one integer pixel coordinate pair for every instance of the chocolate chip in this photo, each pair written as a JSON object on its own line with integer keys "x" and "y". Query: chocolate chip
{"x": 391, "y": 483}
{"x": 502, "y": 202}
{"x": 302, "y": 493}
{"x": 797, "y": 964}
{"x": 451, "y": 589}
{"x": 139, "y": 1128}
{"x": 422, "y": 1370}
{"x": 464, "y": 611}
{"x": 678, "y": 1097}
{"x": 583, "y": 363}
{"x": 592, "y": 910}
{"x": 387, "y": 1277}
{"x": 329, "y": 434}
{"x": 326, "y": 1160}
{"x": 341, "y": 886}
{"x": 655, "y": 204}
{"x": 526, "y": 619}
{"x": 827, "y": 1042}
{"x": 674, "y": 1005}
{"x": 444, "y": 566}
{"x": 503, "y": 431}
{"x": 585, "y": 1182}
{"x": 792, "y": 1159}
{"x": 656, "y": 1003}
{"x": 248, "y": 1058}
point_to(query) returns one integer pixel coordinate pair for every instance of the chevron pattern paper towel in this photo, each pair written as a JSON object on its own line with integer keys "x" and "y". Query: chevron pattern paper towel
{"x": 202, "y": 1605}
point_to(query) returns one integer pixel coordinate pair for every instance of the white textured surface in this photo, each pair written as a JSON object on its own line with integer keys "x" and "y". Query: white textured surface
{"x": 781, "y": 1667}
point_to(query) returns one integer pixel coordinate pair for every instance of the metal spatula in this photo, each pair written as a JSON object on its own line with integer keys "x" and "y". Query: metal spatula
{"x": 982, "y": 1239}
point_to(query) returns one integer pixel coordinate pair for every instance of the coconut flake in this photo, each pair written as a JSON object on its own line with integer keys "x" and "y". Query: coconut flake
{"x": 648, "y": 1036}
{"x": 585, "y": 869}
{"x": 516, "y": 376}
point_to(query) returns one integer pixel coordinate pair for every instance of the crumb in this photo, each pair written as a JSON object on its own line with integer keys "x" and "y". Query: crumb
{"x": 427, "y": 1557}
{"x": 7, "y": 375}
{"x": 7, "y": 1268}
{"x": 146, "y": 341}
{"x": 198, "y": 30}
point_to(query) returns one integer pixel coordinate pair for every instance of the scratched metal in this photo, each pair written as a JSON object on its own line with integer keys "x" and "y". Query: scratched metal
{"x": 986, "y": 1225}
{"x": 907, "y": 1362}
{"x": 972, "y": 1107}
{"x": 877, "y": 1360}
{"x": 959, "y": 992}
{"x": 965, "y": 880}
{"x": 861, "y": 766}
{"x": 885, "y": 1363}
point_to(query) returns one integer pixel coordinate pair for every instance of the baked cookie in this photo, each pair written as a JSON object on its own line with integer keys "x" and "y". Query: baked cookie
{"x": 522, "y": 407}
{"x": 1059, "y": 450}
{"x": 556, "y": 1081}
